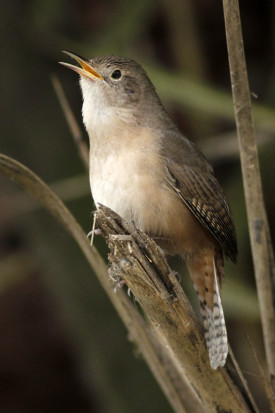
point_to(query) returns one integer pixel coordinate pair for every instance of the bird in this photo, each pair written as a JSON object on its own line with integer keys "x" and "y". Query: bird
{"x": 144, "y": 168}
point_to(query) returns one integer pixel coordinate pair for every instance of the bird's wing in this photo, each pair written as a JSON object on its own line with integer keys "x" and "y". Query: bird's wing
{"x": 192, "y": 177}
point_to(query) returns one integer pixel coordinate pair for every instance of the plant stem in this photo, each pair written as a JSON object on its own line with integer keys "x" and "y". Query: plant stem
{"x": 260, "y": 239}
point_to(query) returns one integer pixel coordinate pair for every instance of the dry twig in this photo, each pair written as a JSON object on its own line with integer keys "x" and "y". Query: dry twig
{"x": 70, "y": 118}
{"x": 260, "y": 239}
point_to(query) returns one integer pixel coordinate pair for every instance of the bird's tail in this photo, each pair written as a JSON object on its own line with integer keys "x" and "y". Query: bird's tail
{"x": 206, "y": 284}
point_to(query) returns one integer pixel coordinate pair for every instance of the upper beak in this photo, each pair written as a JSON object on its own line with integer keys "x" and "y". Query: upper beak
{"x": 85, "y": 69}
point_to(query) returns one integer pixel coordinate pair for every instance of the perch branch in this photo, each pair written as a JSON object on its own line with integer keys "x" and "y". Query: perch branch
{"x": 135, "y": 258}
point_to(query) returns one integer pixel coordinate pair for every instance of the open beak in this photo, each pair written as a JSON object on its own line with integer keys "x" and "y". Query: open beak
{"x": 85, "y": 69}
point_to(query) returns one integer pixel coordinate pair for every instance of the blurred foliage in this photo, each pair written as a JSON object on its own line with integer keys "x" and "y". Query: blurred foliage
{"x": 182, "y": 45}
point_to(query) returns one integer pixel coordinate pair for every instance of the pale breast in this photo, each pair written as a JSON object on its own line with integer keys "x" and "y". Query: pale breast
{"x": 131, "y": 180}
{"x": 114, "y": 181}
{"x": 124, "y": 168}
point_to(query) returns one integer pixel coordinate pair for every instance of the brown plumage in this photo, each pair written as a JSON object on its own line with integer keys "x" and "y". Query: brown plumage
{"x": 198, "y": 188}
{"x": 143, "y": 168}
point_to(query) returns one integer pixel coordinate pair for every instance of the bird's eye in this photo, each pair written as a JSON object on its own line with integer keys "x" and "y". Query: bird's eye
{"x": 116, "y": 74}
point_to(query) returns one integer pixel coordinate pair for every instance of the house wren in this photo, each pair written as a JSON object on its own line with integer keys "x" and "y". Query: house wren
{"x": 143, "y": 168}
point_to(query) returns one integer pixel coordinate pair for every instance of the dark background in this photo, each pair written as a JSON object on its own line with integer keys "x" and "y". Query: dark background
{"x": 62, "y": 347}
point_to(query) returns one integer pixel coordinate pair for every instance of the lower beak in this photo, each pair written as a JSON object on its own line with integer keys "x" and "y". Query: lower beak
{"x": 85, "y": 69}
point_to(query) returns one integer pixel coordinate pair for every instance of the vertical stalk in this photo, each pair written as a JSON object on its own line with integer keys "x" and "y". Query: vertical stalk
{"x": 262, "y": 253}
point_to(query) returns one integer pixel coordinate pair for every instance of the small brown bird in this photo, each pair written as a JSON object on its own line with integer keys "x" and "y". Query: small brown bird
{"x": 143, "y": 168}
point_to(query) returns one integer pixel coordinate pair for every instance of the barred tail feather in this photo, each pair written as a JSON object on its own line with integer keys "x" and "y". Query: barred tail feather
{"x": 214, "y": 326}
{"x": 206, "y": 271}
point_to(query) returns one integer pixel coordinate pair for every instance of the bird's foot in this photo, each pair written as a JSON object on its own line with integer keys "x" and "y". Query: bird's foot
{"x": 92, "y": 234}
